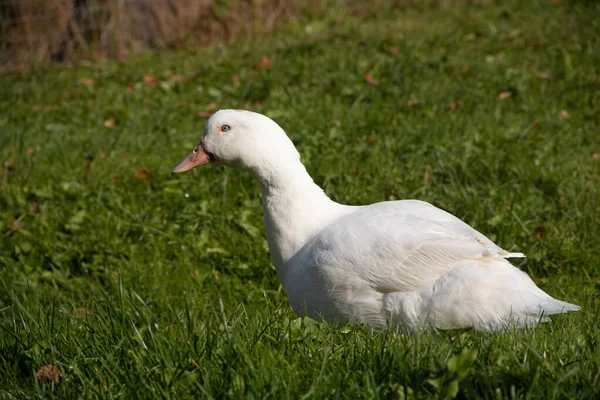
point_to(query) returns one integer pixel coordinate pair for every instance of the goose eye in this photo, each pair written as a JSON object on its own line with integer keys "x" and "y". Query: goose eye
{"x": 225, "y": 128}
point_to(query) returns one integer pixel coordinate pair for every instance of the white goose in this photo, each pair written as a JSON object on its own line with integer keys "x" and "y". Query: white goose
{"x": 402, "y": 261}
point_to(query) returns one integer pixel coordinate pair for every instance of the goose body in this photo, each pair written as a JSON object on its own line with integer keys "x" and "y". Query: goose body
{"x": 403, "y": 262}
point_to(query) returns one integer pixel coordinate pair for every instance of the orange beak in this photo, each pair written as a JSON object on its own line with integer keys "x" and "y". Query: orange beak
{"x": 197, "y": 157}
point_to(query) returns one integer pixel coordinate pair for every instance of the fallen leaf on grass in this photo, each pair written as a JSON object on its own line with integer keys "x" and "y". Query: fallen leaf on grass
{"x": 543, "y": 75}
{"x": 564, "y": 114}
{"x": 540, "y": 232}
{"x": 82, "y": 312}
{"x": 595, "y": 156}
{"x": 34, "y": 207}
{"x": 266, "y": 62}
{"x": 129, "y": 89}
{"x": 30, "y": 152}
{"x": 464, "y": 69}
{"x": 453, "y": 105}
{"x": 394, "y": 50}
{"x": 413, "y": 102}
{"x": 142, "y": 174}
{"x": 369, "y": 79}
{"x": 211, "y": 106}
{"x": 204, "y": 114}
{"x": 15, "y": 225}
{"x": 504, "y": 95}
{"x": 235, "y": 79}
{"x": 48, "y": 373}
{"x": 150, "y": 79}
{"x": 86, "y": 82}
{"x": 109, "y": 123}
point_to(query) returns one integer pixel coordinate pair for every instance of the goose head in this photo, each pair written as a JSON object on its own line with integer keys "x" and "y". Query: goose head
{"x": 243, "y": 139}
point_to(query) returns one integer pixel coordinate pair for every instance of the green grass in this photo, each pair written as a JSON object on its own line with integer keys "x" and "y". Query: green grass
{"x": 163, "y": 287}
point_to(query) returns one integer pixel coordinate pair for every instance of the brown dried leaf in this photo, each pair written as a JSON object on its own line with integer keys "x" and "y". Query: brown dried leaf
{"x": 142, "y": 174}
{"x": 369, "y": 79}
{"x": 150, "y": 79}
{"x": 15, "y": 225}
{"x": 129, "y": 89}
{"x": 544, "y": 75}
{"x": 204, "y": 114}
{"x": 540, "y": 232}
{"x": 34, "y": 207}
{"x": 109, "y": 123}
{"x": 211, "y": 106}
{"x": 30, "y": 152}
{"x": 235, "y": 79}
{"x": 595, "y": 156}
{"x": 89, "y": 82}
{"x": 413, "y": 102}
{"x": 453, "y": 105}
{"x": 504, "y": 95}
{"x": 266, "y": 62}
{"x": 394, "y": 50}
{"x": 564, "y": 114}
{"x": 82, "y": 312}
{"x": 48, "y": 373}
{"x": 464, "y": 69}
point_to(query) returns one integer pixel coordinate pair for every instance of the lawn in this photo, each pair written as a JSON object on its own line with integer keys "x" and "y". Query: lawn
{"x": 137, "y": 284}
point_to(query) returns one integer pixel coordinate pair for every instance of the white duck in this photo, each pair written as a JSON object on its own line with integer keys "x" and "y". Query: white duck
{"x": 402, "y": 261}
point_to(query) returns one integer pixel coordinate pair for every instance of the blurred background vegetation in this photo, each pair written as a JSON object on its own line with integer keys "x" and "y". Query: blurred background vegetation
{"x": 34, "y": 32}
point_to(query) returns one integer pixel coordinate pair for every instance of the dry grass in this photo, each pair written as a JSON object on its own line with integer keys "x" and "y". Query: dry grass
{"x": 34, "y": 32}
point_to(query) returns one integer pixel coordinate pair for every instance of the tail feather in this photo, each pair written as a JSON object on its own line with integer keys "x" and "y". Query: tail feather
{"x": 512, "y": 255}
{"x": 489, "y": 297}
{"x": 554, "y": 306}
